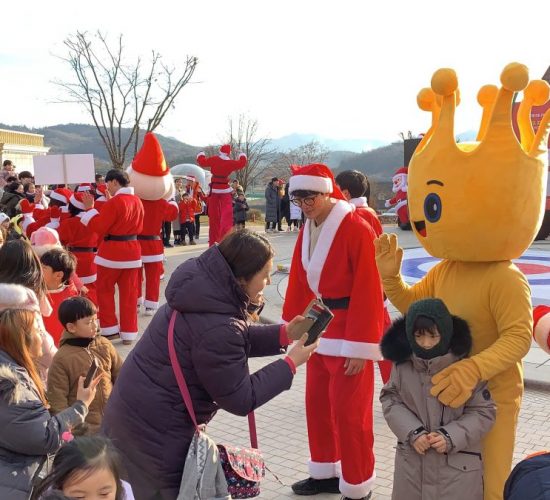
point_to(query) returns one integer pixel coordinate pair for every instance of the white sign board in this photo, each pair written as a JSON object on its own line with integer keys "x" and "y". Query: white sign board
{"x": 63, "y": 169}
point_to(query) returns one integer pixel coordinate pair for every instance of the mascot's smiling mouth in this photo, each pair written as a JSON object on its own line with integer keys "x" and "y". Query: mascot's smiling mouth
{"x": 420, "y": 226}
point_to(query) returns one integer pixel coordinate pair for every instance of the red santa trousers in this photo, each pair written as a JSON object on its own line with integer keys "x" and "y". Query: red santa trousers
{"x": 128, "y": 282}
{"x": 151, "y": 273}
{"x": 220, "y": 216}
{"x": 339, "y": 424}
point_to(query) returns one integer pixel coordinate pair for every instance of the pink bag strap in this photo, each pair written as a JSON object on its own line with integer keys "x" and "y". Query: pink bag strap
{"x": 180, "y": 379}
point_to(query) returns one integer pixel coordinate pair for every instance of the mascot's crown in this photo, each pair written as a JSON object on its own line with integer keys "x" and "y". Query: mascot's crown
{"x": 484, "y": 200}
{"x": 496, "y": 123}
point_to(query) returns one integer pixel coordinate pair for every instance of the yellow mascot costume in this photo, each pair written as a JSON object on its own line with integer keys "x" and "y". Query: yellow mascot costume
{"x": 476, "y": 234}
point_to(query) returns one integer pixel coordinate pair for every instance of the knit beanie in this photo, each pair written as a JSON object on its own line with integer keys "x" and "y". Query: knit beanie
{"x": 437, "y": 311}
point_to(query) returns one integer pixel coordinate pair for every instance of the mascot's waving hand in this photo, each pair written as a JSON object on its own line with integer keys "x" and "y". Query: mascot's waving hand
{"x": 477, "y": 236}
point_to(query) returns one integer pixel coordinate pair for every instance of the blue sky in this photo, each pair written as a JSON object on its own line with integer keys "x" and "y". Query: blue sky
{"x": 346, "y": 69}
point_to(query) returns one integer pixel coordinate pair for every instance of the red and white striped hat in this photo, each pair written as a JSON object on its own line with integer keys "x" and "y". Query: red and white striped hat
{"x": 86, "y": 186}
{"x": 61, "y": 194}
{"x": 77, "y": 200}
{"x": 315, "y": 177}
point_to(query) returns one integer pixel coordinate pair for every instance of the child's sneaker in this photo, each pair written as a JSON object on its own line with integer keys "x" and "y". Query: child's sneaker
{"x": 184, "y": 243}
{"x": 192, "y": 242}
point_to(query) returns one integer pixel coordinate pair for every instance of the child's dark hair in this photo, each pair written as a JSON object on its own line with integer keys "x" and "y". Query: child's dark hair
{"x": 303, "y": 193}
{"x": 60, "y": 259}
{"x": 355, "y": 182}
{"x": 425, "y": 324}
{"x": 75, "y": 308}
{"x": 117, "y": 175}
{"x": 79, "y": 458}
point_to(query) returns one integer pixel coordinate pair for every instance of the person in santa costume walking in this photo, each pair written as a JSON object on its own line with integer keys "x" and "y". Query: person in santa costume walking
{"x": 118, "y": 257}
{"x": 153, "y": 183}
{"x": 82, "y": 242}
{"x": 220, "y": 206}
{"x": 334, "y": 261}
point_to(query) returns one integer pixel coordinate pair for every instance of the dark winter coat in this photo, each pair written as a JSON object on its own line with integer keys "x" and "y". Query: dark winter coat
{"x": 9, "y": 202}
{"x": 272, "y": 203}
{"x": 408, "y": 406}
{"x": 530, "y": 479}
{"x": 239, "y": 210}
{"x": 146, "y": 416}
{"x": 28, "y": 433}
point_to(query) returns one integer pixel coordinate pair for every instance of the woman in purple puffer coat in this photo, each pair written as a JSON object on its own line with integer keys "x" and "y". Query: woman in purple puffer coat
{"x": 145, "y": 416}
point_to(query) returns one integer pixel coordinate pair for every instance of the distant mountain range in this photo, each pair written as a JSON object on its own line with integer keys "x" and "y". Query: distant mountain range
{"x": 352, "y": 145}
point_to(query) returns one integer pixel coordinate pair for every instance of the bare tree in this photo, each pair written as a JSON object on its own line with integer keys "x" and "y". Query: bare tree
{"x": 242, "y": 135}
{"x": 122, "y": 98}
{"x": 312, "y": 152}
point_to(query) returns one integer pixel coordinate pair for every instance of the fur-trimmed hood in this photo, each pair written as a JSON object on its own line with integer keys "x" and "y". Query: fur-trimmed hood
{"x": 13, "y": 387}
{"x": 396, "y": 347}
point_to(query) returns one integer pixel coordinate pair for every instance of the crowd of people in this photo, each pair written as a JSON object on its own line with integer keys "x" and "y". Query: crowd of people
{"x": 121, "y": 430}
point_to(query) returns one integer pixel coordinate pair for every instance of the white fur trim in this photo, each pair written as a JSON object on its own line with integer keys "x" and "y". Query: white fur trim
{"x": 125, "y": 190}
{"x": 310, "y": 183}
{"x": 173, "y": 203}
{"x": 357, "y": 490}
{"x": 109, "y": 330}
{"x": 27, "y": 220}
{"x": 53, "y": 224}
{"x": 76, "y": 203}
{"x": 82, "y": 189}
{"x": 400, "y": 204}
{"x": 152, "y": 258}
{"x": 86, "y": 280}
{"x": 223, "y": 156}
{"x": 314, "y": 266}
{"x": 149, "y": 304}
{"x": 58, "y": 197}
{"x": 222, "y": 191}
{"x": 117, "y": 264}
{"x": 128, "y": 335}
{"x": 362, "y": 350}
{"x": 101, "y": 198}
{"x": 359, "y": 202}
{"x": 202, "y": 153}
{"x": 242, "y": 155}
{"x": 324, "y": 470}
{"x": 88, "y": 216}
{"x": 542, "y": 331}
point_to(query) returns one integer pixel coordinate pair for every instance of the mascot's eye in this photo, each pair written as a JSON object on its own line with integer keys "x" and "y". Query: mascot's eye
{"x": 432, "y": 207}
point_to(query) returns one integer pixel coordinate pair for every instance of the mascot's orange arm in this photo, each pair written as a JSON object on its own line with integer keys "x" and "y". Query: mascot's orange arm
{"x": 510, "y": 304}
{"x": 402, "y": 295}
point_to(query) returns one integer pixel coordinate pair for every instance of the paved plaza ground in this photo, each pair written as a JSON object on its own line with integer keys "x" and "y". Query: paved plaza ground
{"x": 281, "y": 422}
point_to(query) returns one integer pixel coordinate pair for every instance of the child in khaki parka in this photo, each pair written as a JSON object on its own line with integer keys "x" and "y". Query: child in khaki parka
{"x": 438, "y": 453}
{"x": 79, "y": 345}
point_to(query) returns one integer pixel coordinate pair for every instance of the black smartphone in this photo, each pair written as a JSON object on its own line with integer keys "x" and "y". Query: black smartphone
{"x": 321, "y": 317}
{"x": 91, "y": 373}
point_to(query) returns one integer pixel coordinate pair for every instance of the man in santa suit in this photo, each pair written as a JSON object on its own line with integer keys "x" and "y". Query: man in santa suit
{"x": 118, "y": 257}
{"x": 356, "y": 189}
{"x": 334, "y": 261}
{"x": 153, "y": 183}
{"x": 399, "y": 201}
{"x": 541, "y": 327}
{"x": 82, "y": 242}
{"x": 220, "y": 201}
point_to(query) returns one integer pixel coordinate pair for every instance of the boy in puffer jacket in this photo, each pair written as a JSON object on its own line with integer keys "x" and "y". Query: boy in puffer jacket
{"x": 438, "y": 452}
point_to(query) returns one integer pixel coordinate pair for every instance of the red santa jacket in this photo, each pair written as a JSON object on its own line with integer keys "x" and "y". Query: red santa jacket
{"x": 187, "y": 210}
{"x": 541, "y": 327}
{"x": 55, "y": 297}
{"x": 121, "y": 216}
{"x": 362, "y": 208}
{"x": 156, "y": 212}
{"x": 342, "y": 266}
{"x": 83, "y": 243}
{"x": 221, "y": 167}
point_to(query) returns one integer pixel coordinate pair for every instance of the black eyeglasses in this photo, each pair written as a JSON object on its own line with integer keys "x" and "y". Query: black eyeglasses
{"x": 309, "y": 201}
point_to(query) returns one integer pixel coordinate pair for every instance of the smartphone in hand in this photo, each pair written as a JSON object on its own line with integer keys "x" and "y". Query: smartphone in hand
{"x": 91, "y": 373}
{"x": 318, "y": 316}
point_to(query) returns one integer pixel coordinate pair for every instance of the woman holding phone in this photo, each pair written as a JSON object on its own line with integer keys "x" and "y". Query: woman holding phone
{"x": 146, "y": 416}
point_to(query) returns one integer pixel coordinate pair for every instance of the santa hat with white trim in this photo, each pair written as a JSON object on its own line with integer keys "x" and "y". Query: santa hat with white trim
{"x": 44, "y": 239}
{"x": 77, "y": 201}
{"x": 315, "y": 177}
{"x": 61, "y": 194}
{"x": 541, "y": 327}
{"x": 86, "y": 186}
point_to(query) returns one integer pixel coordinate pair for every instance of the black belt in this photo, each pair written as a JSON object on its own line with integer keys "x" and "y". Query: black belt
{"x": 341, "y": 303}
{"x": 82, "y": 249}
{"x": 148, "y": 237}
{"x": 120, "y": 237}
